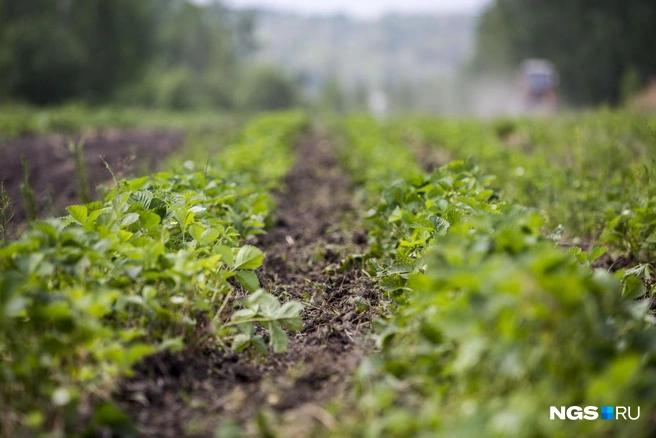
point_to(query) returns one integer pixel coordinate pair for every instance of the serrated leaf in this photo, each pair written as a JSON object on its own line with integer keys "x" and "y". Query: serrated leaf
{"x": 79, "y": 213}
{"x": 129, "y": 219}
{"x": 149, "y": 219}
{"x": 632, "y": 287}
{"x": 208, "y": 236}
{"x": 183, "y": 217}
{"x": 289, "y": 315}
{"x": 248, "y": 280}
{"x": 277, "y": 337}
{"x": 226, "y": 254}
{"x": 596, "y": 252}
{"x": 143, "y": 197}
{"x": 441, "y": 225}
{"x": 264, "y": 302}
{"x": 258, "y": 343}
{"x": 241, "y": 342}
{"x": 248, "y": 257}
{"x": 243, "y": 314}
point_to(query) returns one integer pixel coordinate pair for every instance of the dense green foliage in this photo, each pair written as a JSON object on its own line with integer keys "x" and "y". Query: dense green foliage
{"x": 602, "y": 49}
{"x": 488, "y": 315}
{"x": 591, "y": 174}
{"x": 489, "y": 321}
{"x": 85, "y": 296}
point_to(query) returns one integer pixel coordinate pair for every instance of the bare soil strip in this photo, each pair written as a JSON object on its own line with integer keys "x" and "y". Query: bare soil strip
{"x": 52, "y": 170}
{"x": 193, "y": 392}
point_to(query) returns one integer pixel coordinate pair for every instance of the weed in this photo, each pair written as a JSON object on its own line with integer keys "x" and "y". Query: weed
{"x": 6, "y": 214}
{"x": 27, "y": 193}
{"x": 77, "y": 152}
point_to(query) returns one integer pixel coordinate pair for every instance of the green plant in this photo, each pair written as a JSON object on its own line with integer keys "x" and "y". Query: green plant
{"x": 77, "y": 153}
{"x": 489, "y": 322}
{"x": 27, "y": 193}
{"x": 6, "y": 214}
{"x": 86, "y": 296}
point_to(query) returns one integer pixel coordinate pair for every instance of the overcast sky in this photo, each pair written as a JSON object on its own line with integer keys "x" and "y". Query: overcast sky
{"x": 365, "y": 8}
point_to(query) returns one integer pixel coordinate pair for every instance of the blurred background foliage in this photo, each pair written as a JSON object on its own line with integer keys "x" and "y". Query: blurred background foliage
{"x": 603, "y": 49}
{"x": 195, "y": 54}
{"x": 160, "y": 53}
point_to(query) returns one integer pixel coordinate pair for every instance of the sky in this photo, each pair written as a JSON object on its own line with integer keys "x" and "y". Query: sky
{"x": 365, "y": 8}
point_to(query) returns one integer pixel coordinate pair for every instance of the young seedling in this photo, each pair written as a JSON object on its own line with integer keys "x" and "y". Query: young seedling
{"x": 77, "y": 152}
{"x": 29, "y": 203}
{"x": 5, "y": 212}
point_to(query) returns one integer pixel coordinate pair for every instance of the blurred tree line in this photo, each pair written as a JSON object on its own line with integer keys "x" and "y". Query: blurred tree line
{"x": 164, "y": 53}
{"x": 603, "y": 49}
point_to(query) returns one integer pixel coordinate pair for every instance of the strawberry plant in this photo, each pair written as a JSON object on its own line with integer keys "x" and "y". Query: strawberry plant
{"x": 492, "y": 322}
{"x": 85, "y": 296}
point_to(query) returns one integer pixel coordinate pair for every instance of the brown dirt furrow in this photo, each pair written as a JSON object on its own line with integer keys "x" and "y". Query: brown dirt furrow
{"x": 193, "y": 393}
{"x": 52, "y": 170}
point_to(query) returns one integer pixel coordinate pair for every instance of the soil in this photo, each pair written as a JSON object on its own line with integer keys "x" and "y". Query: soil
{"x": 195, "y": 393}
{"x": 52, "y": 169}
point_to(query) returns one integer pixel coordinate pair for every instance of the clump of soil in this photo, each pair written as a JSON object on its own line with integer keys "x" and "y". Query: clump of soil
{"x": 192, "y": 393}
{"x": 52, "y": 169}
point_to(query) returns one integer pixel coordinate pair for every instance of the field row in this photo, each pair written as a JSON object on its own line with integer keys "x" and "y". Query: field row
{"x": 514, "y": 262}
{"x": 149, "y": 268}
{"x": 489, "y": 320}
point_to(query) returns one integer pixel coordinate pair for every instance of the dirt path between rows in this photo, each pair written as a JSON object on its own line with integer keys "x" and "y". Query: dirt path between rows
{"x": 192, "y": 393}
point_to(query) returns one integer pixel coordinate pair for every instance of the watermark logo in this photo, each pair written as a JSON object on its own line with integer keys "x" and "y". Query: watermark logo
{"x": 608, "y": 412}
{"x": 592, "y": 413}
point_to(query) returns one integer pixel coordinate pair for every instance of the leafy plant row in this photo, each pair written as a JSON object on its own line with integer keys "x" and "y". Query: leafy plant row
{"x": 592, "y": 174}
{"x": 153, "y": 267}
{"x": 490, "y": 323}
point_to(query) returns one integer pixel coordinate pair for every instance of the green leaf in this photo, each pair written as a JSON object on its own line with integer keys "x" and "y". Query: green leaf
{"x": 241, "y": 342}
{"x": 117, "y": 421}
{"x": 248, "y": 280}
{"x": 79, "y": 213}
{"x": 441, "y": 225}
{"x": 243, "y": 314}
{"x": 171, "y": 344}
{"x": 208, "y": 236}
{"x": 226, "y": 254}
{"x": 202, "y": 305}
{"x": 248, "y": 257}
{"x": 129, "y": 219}
{"x": 632, "y": 287}
{"x": 596, "y": 252}
{"x": 183, "y": 217}
{"x": 138, "y": 352}
{"x": 277, "y": 337}
{"x": 203, "y": 235}
{"x": 28, "y": 264}
{"x": 258, "y": 343}
{"x": 289, "y": 315}
{"x": 651, "y": 238}
{"x": 143, "y": 197}
{"x": 580, "y": 255}
{"x": 264, "y": 302}
{"x": 149, "y": 219}
{"x": 196, "y": 232}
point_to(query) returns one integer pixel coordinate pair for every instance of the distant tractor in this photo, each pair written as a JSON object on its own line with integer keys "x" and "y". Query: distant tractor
{"x": 539, "y": 82}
